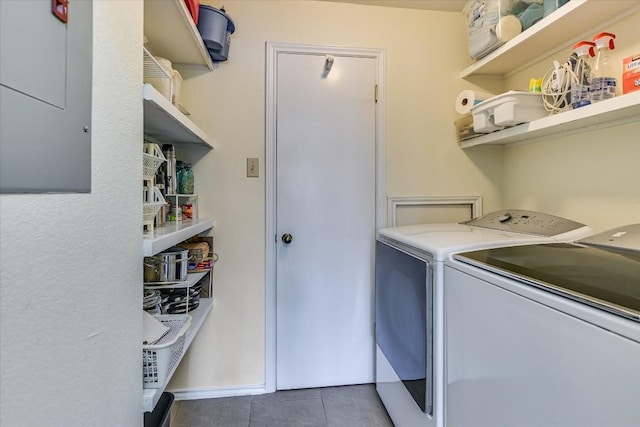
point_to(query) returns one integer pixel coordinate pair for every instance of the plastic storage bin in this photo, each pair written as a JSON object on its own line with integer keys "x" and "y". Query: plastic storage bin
{"x": 193, "y": 6}
{"x": 158, "y": 72}
{"x": 158, "y": 360}
{"x": 551, "y": 5}
{"x": 490, "y": 25}
{"x": 508, "y": 109}
{"x": 215, "y": 28}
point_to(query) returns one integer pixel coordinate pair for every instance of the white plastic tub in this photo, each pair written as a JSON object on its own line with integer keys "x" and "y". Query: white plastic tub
{"x": 508, "y": 109}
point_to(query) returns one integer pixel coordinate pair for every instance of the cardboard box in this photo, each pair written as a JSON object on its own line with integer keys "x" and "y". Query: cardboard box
{"x": 631, "y": 74}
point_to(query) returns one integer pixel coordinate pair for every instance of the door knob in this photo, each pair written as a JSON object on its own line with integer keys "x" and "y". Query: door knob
{"x": 287, "y": 238}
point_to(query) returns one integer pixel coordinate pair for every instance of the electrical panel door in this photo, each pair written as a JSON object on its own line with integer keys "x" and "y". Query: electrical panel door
{"x": 45, "y": 96}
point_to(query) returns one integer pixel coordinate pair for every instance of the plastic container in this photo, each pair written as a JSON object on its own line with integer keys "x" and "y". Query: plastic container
{"x": 508, "y": 109}
{"x": 464, "y": 128}
{"x": 176, "y": 78}
{"x": 158, "y": 360}
{"x": 490, "y": 24}
{"x": 213, "y": 25}
{"x": 193, "y": 6}
{"x": 222, "y": 54}
{"x": 604, "y": 84}
{"x": 550, "y": 6}
{"x": 581, "y": 86}
{"x": 158, "y": 72}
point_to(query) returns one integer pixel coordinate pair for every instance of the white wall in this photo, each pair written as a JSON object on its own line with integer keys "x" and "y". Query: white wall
{"x": 423, "y": 158}
{"x": 591, "y": 177}
{"x": 70, "y": 264}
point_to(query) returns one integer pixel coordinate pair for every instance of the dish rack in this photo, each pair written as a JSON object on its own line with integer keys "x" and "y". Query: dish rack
{"x": 152, "y": 158}
{"x": 159, "y": 360}
{"x": 152, "y": 197}
{"x": 150, "y": 209}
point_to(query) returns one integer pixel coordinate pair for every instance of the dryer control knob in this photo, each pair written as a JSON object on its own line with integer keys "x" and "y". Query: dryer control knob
{"x": 504, "y": 218}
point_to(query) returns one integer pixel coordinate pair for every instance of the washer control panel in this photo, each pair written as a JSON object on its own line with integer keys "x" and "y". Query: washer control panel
{"x": 525, "y": 222}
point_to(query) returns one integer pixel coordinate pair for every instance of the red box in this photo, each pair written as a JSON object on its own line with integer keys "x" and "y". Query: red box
{"x": 631, "y": 74}
{"x": 194, "y": 7}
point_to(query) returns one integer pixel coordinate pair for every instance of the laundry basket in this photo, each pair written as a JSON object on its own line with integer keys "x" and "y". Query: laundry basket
{"x": 159, "y": 360}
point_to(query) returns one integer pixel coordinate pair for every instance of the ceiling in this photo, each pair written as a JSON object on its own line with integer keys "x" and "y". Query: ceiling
{"x": 442, "y": 5}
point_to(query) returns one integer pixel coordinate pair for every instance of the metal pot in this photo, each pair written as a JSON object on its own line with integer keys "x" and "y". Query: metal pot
{"x": 168, "y": 266}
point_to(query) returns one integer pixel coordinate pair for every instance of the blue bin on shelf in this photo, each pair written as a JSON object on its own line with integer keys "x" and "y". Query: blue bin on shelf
{"x": 215, "y": 28}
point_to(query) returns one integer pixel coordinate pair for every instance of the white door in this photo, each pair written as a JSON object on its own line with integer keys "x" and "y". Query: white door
{"x": 325, "y": 199}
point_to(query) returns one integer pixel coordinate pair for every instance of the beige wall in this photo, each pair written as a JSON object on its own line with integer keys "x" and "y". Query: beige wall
{"x": 592, "y": 177}
{"x": 423, "y": 158}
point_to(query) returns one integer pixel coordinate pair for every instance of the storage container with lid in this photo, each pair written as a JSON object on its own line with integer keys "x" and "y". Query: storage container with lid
{"x": 508, "y": 109}
{"x": 490, "y": 24}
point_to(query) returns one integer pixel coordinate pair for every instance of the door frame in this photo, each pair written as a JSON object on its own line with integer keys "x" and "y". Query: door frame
{"x": 272, "y": 51}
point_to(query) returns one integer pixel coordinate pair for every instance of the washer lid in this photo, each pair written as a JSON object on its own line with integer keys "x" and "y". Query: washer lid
{"x": 625, "y": 237}
{"x": 607, "y": 278}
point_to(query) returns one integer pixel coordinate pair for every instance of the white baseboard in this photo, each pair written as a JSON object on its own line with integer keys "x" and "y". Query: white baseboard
{"x": 213, "y": 392}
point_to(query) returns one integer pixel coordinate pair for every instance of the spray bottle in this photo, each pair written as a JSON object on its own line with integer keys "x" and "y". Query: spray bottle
{"x": 603, "y": 81}
{"x": 582, "y": 52}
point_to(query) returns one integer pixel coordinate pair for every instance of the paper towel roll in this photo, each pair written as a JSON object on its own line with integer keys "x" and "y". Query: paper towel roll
{"x": 468, "y": 98}
{"x": 507, "y": 28}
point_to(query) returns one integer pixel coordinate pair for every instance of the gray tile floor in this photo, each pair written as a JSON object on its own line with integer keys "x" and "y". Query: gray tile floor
{"x": 346, "y": 406}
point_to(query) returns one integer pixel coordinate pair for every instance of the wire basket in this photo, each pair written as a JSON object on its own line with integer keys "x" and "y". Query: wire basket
{"x": 159, "y": 360}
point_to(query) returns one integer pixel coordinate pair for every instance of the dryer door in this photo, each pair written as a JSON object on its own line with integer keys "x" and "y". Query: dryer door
{"x": 404, "y": 319}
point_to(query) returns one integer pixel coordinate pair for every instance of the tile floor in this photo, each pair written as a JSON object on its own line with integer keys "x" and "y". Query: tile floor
{"x": 346, "y": 406}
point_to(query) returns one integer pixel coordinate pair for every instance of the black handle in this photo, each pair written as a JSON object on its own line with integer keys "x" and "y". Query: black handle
{"x": 287, "y": 238}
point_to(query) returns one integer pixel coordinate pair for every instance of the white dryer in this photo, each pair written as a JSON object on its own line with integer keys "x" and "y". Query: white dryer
{"x": 410, "y": 301}
{"x": 545, "y": 334}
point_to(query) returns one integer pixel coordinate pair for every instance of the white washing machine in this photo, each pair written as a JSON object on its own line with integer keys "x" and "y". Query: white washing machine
{"x": 546, "y": 334}
{"x": 410, "y": 301}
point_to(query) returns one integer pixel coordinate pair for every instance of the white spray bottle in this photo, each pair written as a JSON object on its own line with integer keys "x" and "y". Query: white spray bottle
{"x": 581, "y": 83}
{"x": 603, "y": 81}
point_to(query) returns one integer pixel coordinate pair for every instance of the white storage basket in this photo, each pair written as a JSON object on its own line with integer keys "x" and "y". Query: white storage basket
{"x": 159, "y": 360}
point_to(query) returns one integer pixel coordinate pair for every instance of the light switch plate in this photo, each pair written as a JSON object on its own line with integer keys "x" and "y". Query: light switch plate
{"x": 253, "y": 167}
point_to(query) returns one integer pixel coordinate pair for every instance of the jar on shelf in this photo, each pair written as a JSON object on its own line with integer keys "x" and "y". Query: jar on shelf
{"x": 188, "y": 179}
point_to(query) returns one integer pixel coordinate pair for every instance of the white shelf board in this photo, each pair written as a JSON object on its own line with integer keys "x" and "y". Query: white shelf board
{"x": 612, "y": 112}
{"x": 182, "y": 196}
{"x": 172, "y": 233}
{"x": 165, "y": 123}
{"x": 559, "y": 30}
{"x": 150, "y": 396}
{"x": 172, "y": 33}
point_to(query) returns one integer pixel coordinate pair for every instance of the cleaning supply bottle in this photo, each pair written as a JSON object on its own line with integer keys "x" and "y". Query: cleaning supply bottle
{"x": 582, "y": 53}
{"x": 603, "y": 81}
